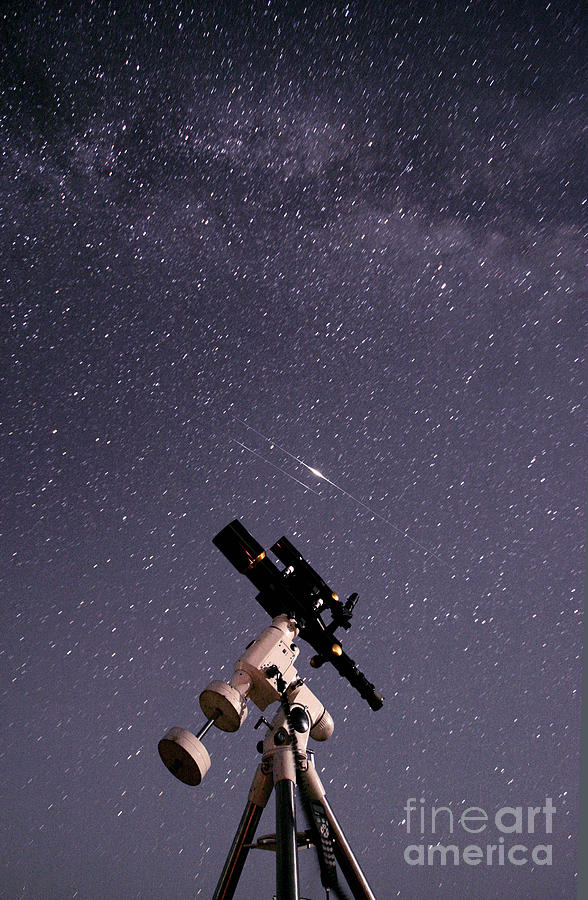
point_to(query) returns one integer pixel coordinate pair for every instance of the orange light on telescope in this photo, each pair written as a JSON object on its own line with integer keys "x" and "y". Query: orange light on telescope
{"x": 256, "y": 560}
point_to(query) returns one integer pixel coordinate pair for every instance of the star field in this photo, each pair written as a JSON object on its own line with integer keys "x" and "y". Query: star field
{"x": 237, "y": 234}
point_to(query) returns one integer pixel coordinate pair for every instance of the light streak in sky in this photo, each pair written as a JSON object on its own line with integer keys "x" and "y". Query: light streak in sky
{"x": 337, "y": 487}
{"x": 273, "y": 465}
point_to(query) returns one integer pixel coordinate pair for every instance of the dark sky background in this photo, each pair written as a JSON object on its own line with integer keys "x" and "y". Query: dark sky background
{"x": 357, "y": 229}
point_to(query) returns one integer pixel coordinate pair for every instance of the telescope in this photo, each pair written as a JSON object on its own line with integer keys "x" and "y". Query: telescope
{"x": 298, "y": 601}
{"x": 300, "y": 593}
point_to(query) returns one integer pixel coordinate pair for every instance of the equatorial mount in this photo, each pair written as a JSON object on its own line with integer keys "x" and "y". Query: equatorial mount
{"x": 264, "y": 674}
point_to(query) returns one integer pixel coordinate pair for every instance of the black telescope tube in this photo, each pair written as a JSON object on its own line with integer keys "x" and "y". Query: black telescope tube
{"x": 240, "y": 547}
{"x": 247, "y": 555}
{"x": 294, "y": 592}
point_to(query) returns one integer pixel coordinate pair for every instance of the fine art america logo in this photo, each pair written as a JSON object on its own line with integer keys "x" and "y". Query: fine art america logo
{"x": 506, "y": 826}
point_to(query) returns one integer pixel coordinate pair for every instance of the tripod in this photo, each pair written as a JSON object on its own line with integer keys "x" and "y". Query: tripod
{"x": 265, "y": 673}
{"x": 278, "y": 770}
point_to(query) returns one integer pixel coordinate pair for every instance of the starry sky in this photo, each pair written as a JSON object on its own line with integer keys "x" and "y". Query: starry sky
{"x": 351, "y": 233}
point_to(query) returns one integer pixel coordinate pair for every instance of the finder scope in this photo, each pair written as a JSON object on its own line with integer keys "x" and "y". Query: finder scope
{"x": 299, "y": 592}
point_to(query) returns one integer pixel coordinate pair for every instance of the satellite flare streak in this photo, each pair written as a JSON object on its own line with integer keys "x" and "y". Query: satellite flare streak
{"x": 273, "y": 465}
{"x": 337, "y": 487}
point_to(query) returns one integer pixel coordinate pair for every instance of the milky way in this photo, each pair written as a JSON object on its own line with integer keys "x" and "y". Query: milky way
{"x": 357, "y": 228}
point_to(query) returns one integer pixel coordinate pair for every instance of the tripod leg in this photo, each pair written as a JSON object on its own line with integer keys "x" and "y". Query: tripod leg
{"x": 261, "y": 788}
{"x": 343, "y": 852}
{"x": 286, "y": 846}
{"x": 286, "y": 849}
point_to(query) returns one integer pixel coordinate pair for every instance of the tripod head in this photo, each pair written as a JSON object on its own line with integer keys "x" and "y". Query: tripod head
{"x": 299, "y": 592}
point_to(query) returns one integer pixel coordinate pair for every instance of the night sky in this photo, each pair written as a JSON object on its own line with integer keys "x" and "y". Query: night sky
{"x": 236, "y": 234}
